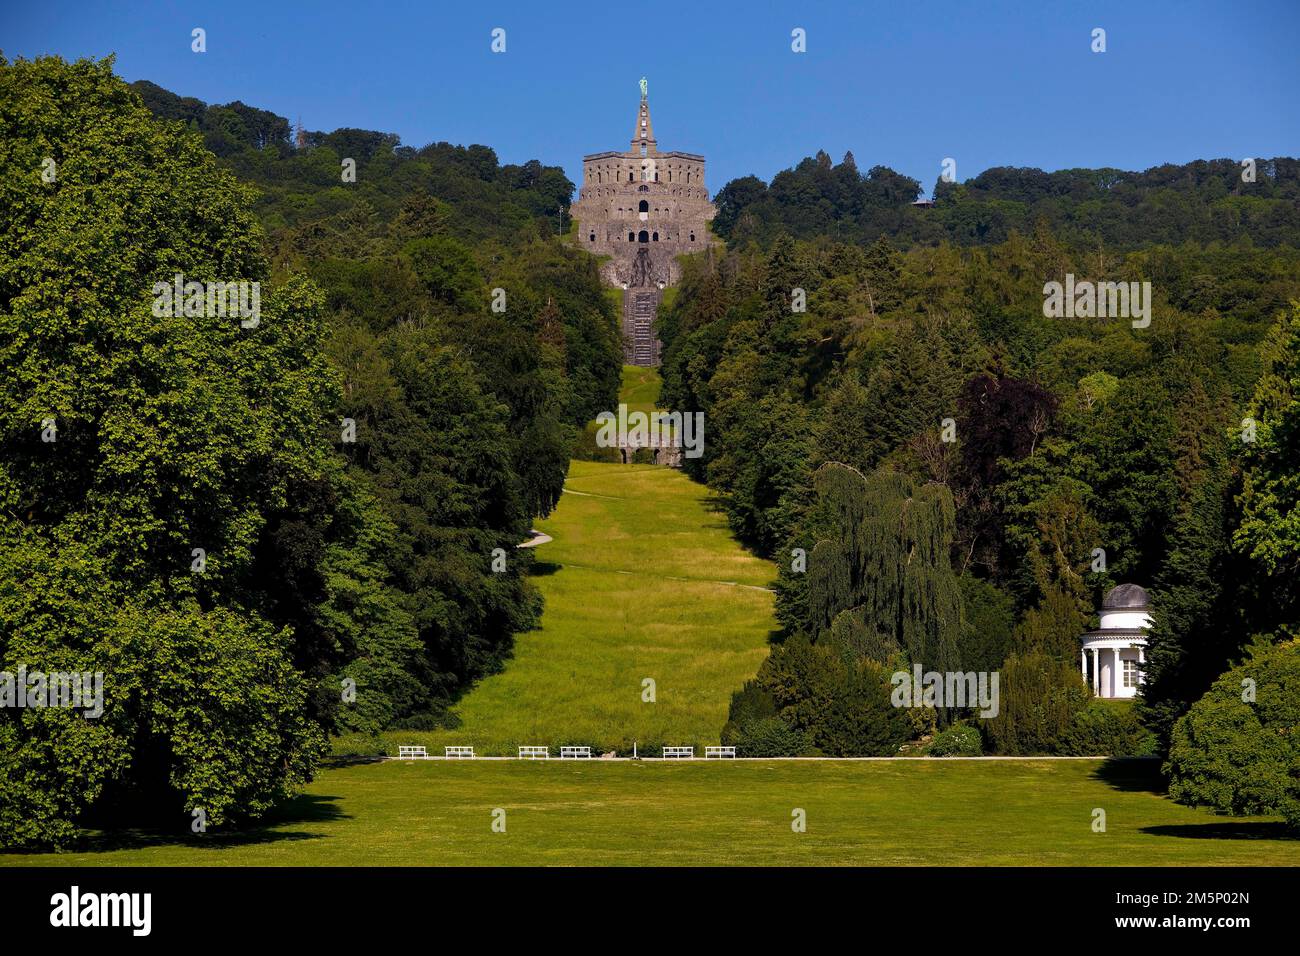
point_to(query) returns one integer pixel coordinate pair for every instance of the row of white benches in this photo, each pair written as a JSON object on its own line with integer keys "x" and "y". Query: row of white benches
{"x": 412, "y": 752}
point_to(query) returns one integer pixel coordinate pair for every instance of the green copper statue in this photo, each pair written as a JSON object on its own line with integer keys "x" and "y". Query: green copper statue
{"x": 644, "y": 87}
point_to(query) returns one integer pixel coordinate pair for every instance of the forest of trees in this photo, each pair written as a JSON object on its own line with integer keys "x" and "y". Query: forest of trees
{"x": 1203, "y": 202}
{"x": 1170, "y": 451}
{"x": 262, "y": 536}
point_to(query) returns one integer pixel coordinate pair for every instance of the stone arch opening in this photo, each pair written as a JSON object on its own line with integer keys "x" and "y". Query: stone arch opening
{"x": 654, "y": 237}
{"x": 643, "y": 237}
{"x": 644, "y": 206}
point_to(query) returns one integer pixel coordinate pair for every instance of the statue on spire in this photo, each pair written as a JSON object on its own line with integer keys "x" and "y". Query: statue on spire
{"x": 644, "y": 87}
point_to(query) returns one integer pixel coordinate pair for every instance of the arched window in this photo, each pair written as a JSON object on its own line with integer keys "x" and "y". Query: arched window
{"x": 631, "y": 237}
{"x": 655, "y": 237}
{"x": 645, "y": 206}
{"x": 629, "y": 176}
{"x": 643, "y": 237}
{"x": 592, "y": 237}
{"x": 692, "y": 237}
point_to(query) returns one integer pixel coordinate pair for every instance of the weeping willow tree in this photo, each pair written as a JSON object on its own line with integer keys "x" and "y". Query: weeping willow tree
{"x": 879, "y": 578}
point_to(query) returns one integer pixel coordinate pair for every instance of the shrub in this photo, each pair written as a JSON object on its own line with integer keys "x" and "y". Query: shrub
{"x": 359, "y": 744}
{"x": 1242, "y": 756}
{"x": 959, "y": 740}
{"x": 749, "y": 704}
{"x": 840, "y": 705}
{"x": 1040, "y": 697}
{"x": 1106, "y": 729}
{"x": 768, "y": 737}
{"x": 861, "y": 720}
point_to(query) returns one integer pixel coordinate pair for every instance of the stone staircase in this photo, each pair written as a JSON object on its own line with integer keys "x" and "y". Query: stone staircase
{"x": 640, "y": 345}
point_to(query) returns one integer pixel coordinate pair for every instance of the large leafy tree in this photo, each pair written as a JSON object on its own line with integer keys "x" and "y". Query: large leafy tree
{"x": 166, "y": 481}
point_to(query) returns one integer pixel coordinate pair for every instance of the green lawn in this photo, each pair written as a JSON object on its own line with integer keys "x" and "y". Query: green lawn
{"x": 642, "y": 580}
{"x": 899, "y": 812}
{"x": 640, "y": 391}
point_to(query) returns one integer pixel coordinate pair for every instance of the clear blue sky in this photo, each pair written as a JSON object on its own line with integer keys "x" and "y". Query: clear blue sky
{"x": 901, "y": 83}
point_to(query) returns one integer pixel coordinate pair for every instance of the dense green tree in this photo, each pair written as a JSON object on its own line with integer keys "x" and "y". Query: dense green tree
{"x": 1269, "y": 530}
{"x": 988, "y": 620}
{"x": 1195, "y": 631}
{"x": 171, "y": 473}
{"x": 1236, "y": 750}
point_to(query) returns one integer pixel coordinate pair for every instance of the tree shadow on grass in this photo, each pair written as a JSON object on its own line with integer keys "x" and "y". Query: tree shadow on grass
{"x": 540, "y": 569}
{"x": 1132, "y": 775}
{"x": 1237, "y": 830}
{"x": 332, "y": 762}
{"x": 305, "y": 808}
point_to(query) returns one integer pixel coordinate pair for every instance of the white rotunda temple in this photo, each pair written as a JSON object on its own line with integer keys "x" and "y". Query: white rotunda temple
{"x": 1113, "y": 654}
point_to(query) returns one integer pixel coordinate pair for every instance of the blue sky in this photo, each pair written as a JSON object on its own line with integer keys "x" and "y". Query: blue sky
{"x": 902, "y": 84}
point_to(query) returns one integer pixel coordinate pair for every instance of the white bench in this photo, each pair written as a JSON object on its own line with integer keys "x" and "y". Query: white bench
{"x": 679, "y": 753}
{"x": 412, "y": 753}
{"x": 719, "y": 752}
{"x": 575, "y": 753}
{"x": 534, "y": 753}
{"x": 460, "y": 753}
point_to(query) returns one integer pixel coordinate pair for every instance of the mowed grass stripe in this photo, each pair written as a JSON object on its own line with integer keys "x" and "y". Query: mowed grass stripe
{"x": 904, "y": 812}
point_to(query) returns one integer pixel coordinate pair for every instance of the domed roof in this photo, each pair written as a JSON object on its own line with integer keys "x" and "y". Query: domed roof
{"x": 1125, "y": 597}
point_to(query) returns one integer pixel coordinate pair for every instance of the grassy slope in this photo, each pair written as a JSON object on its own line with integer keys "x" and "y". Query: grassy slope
{"x": 640, "y": 391}
{"x": 632, "y": 588}
{"x": 638, "y": 813}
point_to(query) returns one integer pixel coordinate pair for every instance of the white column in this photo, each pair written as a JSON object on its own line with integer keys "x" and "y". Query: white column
{"x": 1083, "y": 662}
{"x": 1116, "y": 681}
{"x": 1096, "y": 673}
{"x": 1142, "y": 659}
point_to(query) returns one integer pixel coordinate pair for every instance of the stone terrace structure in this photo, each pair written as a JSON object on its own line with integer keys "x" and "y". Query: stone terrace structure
{"x": 642, "y": 208}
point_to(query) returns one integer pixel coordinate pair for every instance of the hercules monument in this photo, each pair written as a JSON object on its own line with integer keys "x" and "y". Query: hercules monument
{"x": 642, "y": 208}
